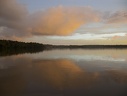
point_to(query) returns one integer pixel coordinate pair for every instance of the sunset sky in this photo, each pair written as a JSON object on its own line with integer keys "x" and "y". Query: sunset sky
{"x": 64, "y": 21}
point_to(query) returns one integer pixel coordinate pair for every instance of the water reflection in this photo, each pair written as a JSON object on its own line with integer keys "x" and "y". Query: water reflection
{"x": 119, "y": 76}
{"x": 45, "y": 75}
{"x": 86, "y": 55}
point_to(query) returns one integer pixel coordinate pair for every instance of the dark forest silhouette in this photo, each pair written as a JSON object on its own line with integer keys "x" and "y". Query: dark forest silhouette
{"x": 8, "y": 47}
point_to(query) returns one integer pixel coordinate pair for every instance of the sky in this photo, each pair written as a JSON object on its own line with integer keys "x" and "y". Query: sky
{"x": 64, "y": 22}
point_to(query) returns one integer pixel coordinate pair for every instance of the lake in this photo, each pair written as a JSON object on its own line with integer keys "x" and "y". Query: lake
{"x": 78, "y": 72}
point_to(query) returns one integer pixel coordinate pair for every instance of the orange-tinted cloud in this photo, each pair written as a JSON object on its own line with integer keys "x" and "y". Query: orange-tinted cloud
{"x": 116, "y": 37}
{"x": 61, "y": 20}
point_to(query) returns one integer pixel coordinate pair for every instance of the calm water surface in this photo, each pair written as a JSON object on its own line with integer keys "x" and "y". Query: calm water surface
{"x": 65, "y": 73}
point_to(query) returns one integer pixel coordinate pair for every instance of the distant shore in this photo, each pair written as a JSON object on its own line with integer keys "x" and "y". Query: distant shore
{"x": 5, "y": 44}
{"x": 86, "y": 46}
{"x": 8, "y": 47}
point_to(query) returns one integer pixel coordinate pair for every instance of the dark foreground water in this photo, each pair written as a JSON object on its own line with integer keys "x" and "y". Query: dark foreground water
{"x": 65, "y": 73}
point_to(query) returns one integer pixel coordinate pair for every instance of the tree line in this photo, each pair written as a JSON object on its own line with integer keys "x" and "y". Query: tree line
{"x": 8, "y": 47}
{"x": 89, "y": 46}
